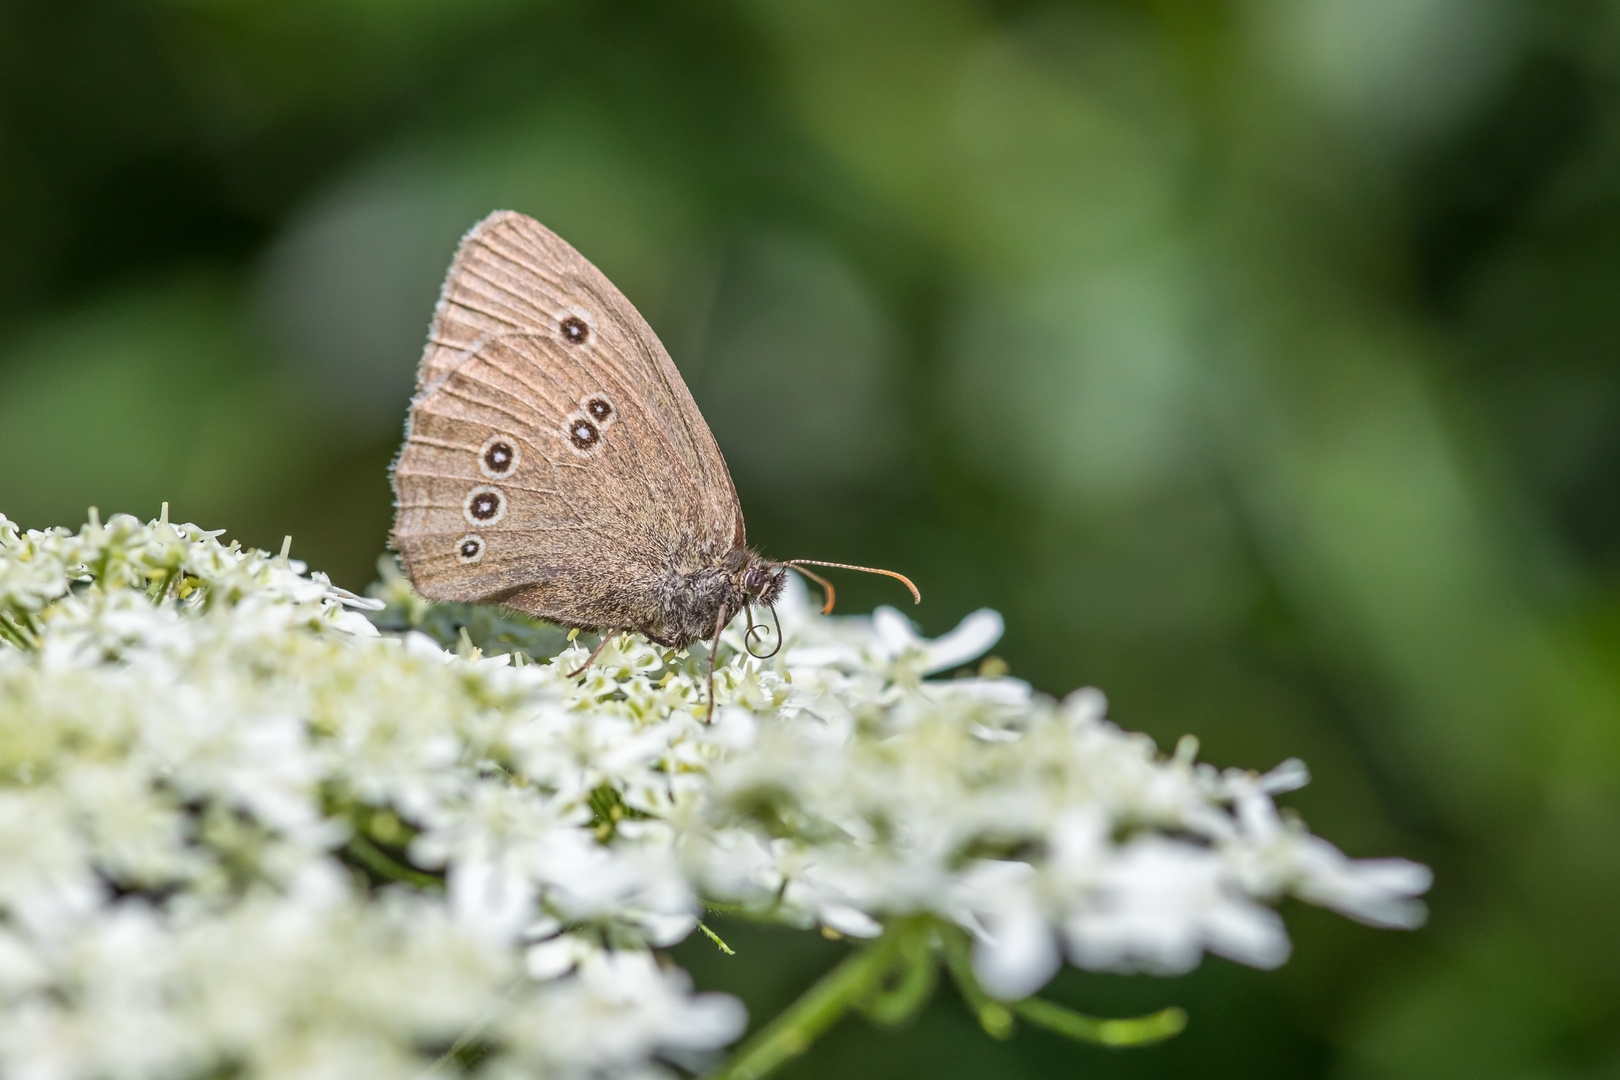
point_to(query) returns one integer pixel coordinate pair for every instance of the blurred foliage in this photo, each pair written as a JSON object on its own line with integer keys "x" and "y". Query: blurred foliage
{"x": 1258, "y": 358}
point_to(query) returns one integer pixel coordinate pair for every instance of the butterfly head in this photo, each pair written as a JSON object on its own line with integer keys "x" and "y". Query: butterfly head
{"x": 762, "y": 580}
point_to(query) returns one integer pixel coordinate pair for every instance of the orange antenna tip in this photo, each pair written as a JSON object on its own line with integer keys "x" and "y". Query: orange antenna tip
{"x": 799, "y": 564}
{"x": 826, "y": 587}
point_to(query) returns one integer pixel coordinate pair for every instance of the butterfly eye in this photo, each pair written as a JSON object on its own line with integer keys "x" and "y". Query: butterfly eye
{"x": 484, "y": 506}
{"x": 574, "y": 330}
{"x": 498, "y": 457}
{"x": 470, "y": 548}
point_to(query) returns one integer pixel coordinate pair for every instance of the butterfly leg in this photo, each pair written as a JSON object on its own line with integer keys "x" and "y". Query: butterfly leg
{"x": 591, "y": 659}
{"x": 714, "y": 648}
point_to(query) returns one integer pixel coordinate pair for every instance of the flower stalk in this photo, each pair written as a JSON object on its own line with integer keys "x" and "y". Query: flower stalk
{"x": 907, "y": 956}
{"x": 1130, "y": 1031}
{"x": 996, "y": 1017}
{"x": 793, "y": 1031}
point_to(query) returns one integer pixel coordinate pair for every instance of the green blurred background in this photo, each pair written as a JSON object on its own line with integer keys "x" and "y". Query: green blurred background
{"x": 1258, "y": 358}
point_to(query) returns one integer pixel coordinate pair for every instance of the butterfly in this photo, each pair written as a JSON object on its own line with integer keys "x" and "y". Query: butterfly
{"x": 555, "y": 462}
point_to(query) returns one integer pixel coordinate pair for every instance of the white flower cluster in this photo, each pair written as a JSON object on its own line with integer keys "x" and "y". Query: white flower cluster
{"x": 857, "y": 790}
{"x": 243, "y": 831}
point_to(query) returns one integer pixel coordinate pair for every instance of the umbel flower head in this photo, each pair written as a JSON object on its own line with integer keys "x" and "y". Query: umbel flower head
{"x": 242, "y": 828}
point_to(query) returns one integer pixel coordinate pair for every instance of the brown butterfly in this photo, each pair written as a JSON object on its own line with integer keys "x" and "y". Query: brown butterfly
{"x": 555, "y": 463}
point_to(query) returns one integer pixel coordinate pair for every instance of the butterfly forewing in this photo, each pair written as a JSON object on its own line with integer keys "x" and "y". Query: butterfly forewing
{"x": 554, "y": 458}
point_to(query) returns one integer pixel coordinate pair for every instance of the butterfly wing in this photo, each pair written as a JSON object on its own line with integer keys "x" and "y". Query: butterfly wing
{"x": 554, "y": 459}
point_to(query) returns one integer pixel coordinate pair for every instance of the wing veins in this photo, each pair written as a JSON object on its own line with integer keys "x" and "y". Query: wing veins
{"x": 642, "y": 474}
{"x": 451, "y": 392}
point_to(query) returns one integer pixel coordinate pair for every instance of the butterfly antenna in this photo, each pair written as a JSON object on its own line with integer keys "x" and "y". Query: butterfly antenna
{"x": 799, "y": 565}
{"x": 826, "y": 586}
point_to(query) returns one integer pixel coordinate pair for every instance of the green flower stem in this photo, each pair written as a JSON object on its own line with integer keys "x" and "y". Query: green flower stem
{"x": 21, "y": 630}
{"x": 898, "y": 999}
{"x": 1135, "y": 1031}
{"x": 821, "y": 1006}
{"x": 11, "y": 632}
{"x": 996, "y": 1017}
{"x": 714, "y": 937}
{"x": 160, "y": 588}
{"x": 376, "y": 860}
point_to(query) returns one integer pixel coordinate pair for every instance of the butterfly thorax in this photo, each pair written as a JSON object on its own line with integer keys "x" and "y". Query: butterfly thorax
{"x": 692, "y": 604}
